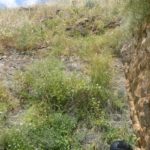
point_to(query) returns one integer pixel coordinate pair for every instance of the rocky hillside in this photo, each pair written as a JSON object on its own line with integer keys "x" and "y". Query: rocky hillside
{"x": 62, "y": 81}
{"x": 136, "y": 57}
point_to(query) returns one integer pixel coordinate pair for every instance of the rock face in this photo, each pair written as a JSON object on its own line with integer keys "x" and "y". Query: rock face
{"x": 136, "y": 59}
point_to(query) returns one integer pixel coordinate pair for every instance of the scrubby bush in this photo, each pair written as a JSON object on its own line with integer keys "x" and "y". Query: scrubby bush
{"x": 55, "y": 132}
{"x": 47, "y": 81}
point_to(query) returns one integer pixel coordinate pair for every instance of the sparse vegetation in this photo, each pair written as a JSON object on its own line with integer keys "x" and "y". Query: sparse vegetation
{"x": 69, "y": 90}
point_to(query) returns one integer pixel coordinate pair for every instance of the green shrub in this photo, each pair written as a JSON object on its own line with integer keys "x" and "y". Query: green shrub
{"x": 15, "y": 139}
{"x": 48, "y": 82}
{"x": 54, "y": 133}
{"x": 57, "y": 129}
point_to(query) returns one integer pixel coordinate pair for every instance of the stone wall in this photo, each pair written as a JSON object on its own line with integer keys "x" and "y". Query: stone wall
{"x": 136, "y": 59}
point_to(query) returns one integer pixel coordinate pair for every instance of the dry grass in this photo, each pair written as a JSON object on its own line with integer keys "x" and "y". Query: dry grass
{"x": 34, "y": 28}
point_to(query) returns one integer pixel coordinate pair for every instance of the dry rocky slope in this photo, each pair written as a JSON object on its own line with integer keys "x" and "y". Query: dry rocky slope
{"x": 136, "y": 58}
{"x": 12, "y": 61}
